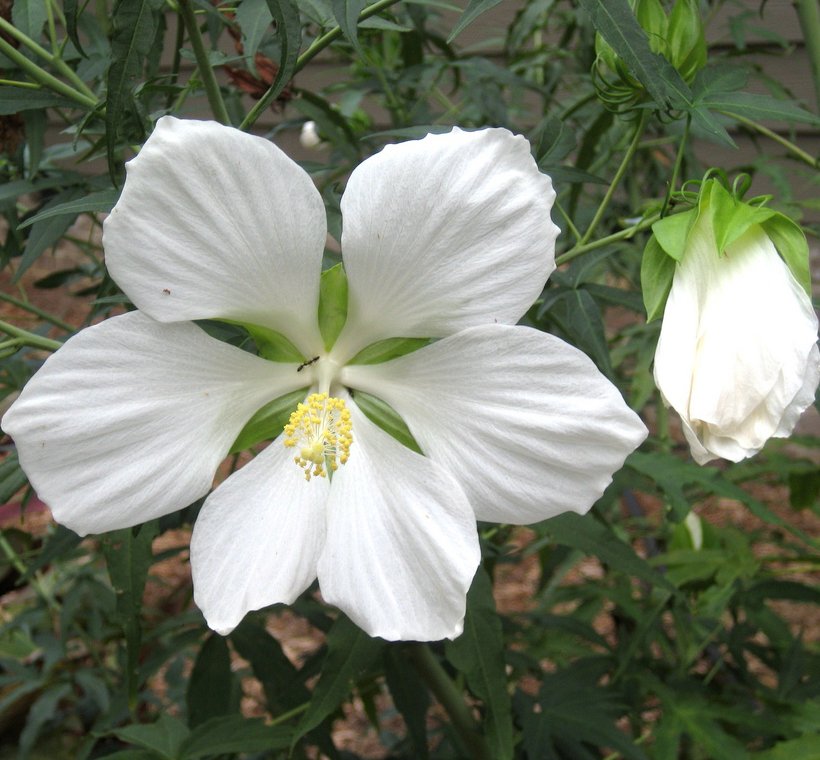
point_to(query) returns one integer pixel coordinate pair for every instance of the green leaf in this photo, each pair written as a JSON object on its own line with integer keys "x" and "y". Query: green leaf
{"x": 410, "y": 696}
{"x": 29, "y": 16}
{"x": 164, "y": 737}
{"x": 672, "y": 475}
{"x": 672, "y": 232}
{"x": 234, "y": 733}
{"x": 135, "y": 24}
{"x": 128, "y": 555}
{"x": 473, "y": 10}
{"x": 281, "y": 681}
{"x": 576, "y": 314}
{"x": 210, "y": 687}
{"x": 616, "y": 23}
{"x": 571, "y": 713}
{"x": 39, "y": 714}
{"x": 100, "y": 202}
{"x": 18, "y": 99}
{"x": 758, "y": 107}
{"x": 12, "y": 477}
{"x": 346, "y": 13}
{"x": 350, "y": 651}
{"x": 387, "y": 349}
{"x": 479, "y": 654}
{"x": 271, "y": 345}
{"x": 594, "y": 538}
{"x": 268, "y": 422}
{"x": 254, "y": 18}
{"x": 383, "y": 415}
{"x": 332, "y": 304}
{"x": 657, "y": 274}
{"x": 790, "y": 241}
{"x": 803, "y": 748}
{"x": 289, "y": 30}
{"x": 70, "y": 11}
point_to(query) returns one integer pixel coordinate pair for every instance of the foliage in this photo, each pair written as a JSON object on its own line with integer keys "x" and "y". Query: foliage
{"x": 647, "y": 631}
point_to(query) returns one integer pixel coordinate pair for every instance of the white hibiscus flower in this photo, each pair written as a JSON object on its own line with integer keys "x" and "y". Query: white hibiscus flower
{"x": 448, "y": 237}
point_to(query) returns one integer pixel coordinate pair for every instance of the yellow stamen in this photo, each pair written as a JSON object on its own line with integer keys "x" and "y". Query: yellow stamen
{"x": 321, "y": 429}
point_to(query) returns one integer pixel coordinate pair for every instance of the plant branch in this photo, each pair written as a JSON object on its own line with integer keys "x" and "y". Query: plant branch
{"x": 206, "y": 72}
{"x": 29, "y": 338}
{"x": 673, "y": 181}
{"x": 30, "y": 307}
{"x": 808, "y": 12}
{"x": 42, "y": 77}
{"x": 41, "y": 52}
{"x": 615, "y": 237}
{"x": 625, "y": 161}
{"x": 318, "y": 45}
{"x": 450, "y": 698}
{"x": 787, "y": 144}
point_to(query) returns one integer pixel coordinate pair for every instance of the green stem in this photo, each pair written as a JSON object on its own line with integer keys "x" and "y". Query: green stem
{"x": 808, "y": 12}
{"x": 20, "y": 567}
{"x": 625, "y": 161}
{"x": 286, "y": 716}
{"x": 678, "y": 163}
{"x": 206, "y": 73}
{"x": 570, "y": 225}
{"x": 30, "y": 338}
{"x": 787, "y": 144}
{"x": 450, "y": 698}
{"x": 36, "y": 310}
{"x": 180, "y": 39}
{"x": 44, "y": 78}
{"x": 41, "y": 52}
{"x": 613, "y": 238}
{"x": 318, "y": 45}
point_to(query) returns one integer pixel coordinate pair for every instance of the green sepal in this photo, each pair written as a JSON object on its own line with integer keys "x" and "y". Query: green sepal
{"x": 268, "y": 422}
{"x": 387, "y": 349}
{"x": 332, "y": 304}
{"x": 657, "y": 273}
{"x": 731, "y": 218}
{"x": 671, "y": 232}
{"x": 790, "y": 241}
{"x": 382, "y": 414}
{"x": 272, "y": 345}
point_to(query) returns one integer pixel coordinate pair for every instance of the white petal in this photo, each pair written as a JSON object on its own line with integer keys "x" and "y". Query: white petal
{"x": 257, "y": 539}
{"x": 525, "y": 422}
{"x": 213, "y": 222}
{"x": 443, "y": 233}
{"x": 130, "y": 419}
{"x": 737, "y": 355}
{"x": 402, "y": 545}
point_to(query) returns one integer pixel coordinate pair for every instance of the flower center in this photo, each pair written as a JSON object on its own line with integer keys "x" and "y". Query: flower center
{"x": 320, "y": 431}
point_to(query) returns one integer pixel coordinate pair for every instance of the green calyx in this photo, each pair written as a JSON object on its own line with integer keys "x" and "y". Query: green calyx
{"x": 678, "y": 37}
{"x": 725, "y": 217}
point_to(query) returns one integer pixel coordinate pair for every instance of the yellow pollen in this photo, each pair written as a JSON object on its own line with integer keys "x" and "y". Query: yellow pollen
{"x": 320, "y": 430}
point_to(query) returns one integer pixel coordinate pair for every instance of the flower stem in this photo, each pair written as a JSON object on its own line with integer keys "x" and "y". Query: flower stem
{"x": 36, "y": 310}
{"x": 29, "y": 338}
{"x": 787, "y": 144}
{"x": 450, "y": 698}
{"x": 673, "y": 181}
{"x": 625, "y": 161}
{"x": 41, "y": 52}
{"x": 613, "y": 238}
{"x": 808, "y": 12}
{"x": 45, "y": 79}
{"x": 318, "y": 45}
{"x": 206, "y": 72}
